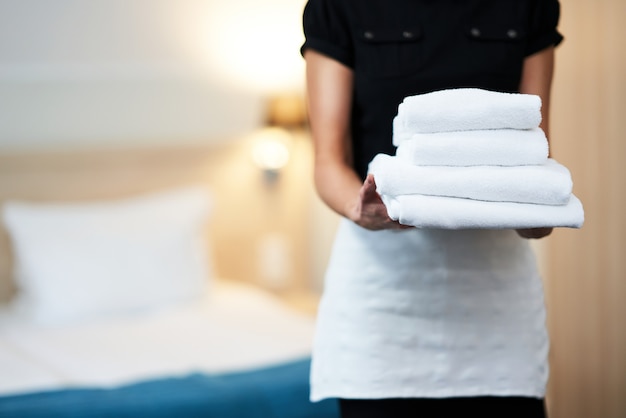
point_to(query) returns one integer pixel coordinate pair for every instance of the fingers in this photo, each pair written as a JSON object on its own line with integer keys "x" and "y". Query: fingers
{"x": 370, "y": 198}
{"x": 534, "y": 233}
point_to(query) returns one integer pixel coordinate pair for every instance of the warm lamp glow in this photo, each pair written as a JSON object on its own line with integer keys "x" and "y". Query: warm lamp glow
{"x": 256, "y": 44}
{"x": 270, "y": 151}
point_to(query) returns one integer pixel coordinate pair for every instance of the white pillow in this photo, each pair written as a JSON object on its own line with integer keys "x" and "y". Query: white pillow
{"x": 91, "y": 260}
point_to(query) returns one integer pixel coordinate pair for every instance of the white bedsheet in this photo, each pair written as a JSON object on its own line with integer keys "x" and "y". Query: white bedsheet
{"x": 235, "y": 327}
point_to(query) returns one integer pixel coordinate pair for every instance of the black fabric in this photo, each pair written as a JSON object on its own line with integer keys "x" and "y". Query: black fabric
{"x": 399, "y": 48}
{"x": 479, "y": 407}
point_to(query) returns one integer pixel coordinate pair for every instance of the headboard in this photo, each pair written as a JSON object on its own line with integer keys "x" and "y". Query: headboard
{"x": 245, "y": 208}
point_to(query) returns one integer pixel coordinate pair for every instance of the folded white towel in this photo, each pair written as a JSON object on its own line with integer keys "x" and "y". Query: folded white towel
{"x": 547, "y": 184}
{"x": 452, "y": 213}
{"x": 465, "y": 109}
{"x": 484, "y": 147}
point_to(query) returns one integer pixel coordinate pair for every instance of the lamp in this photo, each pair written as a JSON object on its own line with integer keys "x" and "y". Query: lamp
{"x": 270, "y": 151}
{"x": 287, "y": 111}
{"x": 272, "y": 143}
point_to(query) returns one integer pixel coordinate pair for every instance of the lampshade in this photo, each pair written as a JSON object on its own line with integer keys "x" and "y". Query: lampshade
{"x": 287, "y": 111}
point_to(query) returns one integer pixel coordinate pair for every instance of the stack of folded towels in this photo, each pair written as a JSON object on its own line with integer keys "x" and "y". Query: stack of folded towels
{"x": 472, "y": 158}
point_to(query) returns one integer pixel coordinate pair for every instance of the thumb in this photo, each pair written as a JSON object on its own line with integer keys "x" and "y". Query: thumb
{"x": 368, "y": 191}
{"x": 369, "y": 184}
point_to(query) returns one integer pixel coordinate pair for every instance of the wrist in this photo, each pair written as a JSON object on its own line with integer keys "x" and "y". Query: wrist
{"x": 352, "y": 211}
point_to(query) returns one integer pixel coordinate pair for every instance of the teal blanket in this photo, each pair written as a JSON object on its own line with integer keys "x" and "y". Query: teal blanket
{"x": 280, "y": 391}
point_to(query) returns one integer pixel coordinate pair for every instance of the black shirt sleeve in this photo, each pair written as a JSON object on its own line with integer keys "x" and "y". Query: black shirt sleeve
{"x": 326, "y": 30}
{"x": 543, "y": 25}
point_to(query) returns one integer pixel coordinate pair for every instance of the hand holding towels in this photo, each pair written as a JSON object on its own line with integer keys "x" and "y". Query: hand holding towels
{"x": 472, "y": 158}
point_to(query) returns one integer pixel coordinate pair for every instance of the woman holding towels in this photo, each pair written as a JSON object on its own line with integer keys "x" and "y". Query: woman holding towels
{"x": 449, "y": 316}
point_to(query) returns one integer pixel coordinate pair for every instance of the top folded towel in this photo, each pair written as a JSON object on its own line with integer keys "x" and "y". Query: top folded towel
{"x": 465, "y": 109}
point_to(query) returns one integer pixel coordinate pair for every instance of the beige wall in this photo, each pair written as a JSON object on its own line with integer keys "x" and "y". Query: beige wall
{"x": 142, "y": 72}
{"x": 586, "y": 281}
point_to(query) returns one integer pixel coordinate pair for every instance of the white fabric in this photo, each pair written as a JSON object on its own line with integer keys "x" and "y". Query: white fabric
{"x": 232, "y": 327}
{"x": 465, "y": 109}
{"x": 485, "y": 147}
{"x": 454, "y": 213}
{"x": 77, "y": 261}
{"x": 21, "y": 373}
{"x": 430, "y": 313}
{"x": 547, "y": 184}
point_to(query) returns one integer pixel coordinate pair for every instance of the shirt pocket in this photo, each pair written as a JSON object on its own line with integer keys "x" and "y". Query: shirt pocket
{"x": 388, "y": 52}
{"x": 497, "y": 46}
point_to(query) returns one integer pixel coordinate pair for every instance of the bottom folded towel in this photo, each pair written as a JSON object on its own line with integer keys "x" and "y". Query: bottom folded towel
{"x": 454, "y": 213}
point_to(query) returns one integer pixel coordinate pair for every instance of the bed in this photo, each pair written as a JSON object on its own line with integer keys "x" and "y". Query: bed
{"x": 119, "y": 312}
{"x": 236, "y": 352}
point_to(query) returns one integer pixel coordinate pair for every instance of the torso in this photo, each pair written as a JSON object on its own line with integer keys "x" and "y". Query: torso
{"x": 404, "y": 50}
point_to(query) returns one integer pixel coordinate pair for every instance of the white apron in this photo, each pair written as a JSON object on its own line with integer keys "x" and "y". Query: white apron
{"x": 430, "y": 313}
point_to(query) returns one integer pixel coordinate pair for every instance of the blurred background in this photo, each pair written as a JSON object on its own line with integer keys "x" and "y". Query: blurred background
{"x": 104, "y": 99}
{"x": 136, "y": 95}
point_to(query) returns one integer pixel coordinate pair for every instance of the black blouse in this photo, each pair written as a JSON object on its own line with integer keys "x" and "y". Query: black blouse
{"x": 399, "y": 48}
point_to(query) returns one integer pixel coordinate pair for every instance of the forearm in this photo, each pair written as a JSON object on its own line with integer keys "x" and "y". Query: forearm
{"x": 537, "y": 79}
{"x": 337, "y": 185}
{"x": 329, "y": 86}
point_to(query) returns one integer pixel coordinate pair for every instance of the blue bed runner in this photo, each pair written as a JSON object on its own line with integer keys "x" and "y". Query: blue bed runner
{"x": 280, "y": 391}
